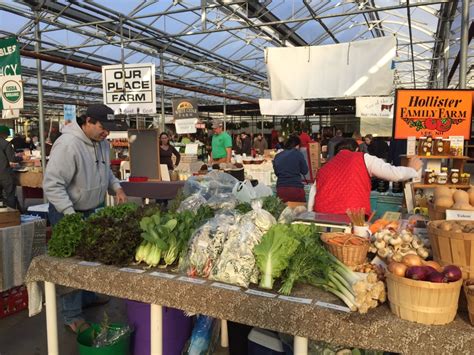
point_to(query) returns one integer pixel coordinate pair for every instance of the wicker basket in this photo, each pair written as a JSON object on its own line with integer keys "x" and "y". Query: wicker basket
{"x": 422, "y": 301}
{"x": 350, "y": 255}
{"x": 452, "y": 248}
{"x": 470, "y": 299}
{"x": 436, "y": 213}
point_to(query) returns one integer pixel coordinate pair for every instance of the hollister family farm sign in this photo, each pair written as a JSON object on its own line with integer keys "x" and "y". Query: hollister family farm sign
{"x": 130, "y": 88}
{"x": 437, "y": 113}
{"x": 11, "y": 89}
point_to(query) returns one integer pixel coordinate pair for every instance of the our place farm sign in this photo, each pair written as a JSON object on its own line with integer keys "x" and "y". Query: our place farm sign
{"x": 437, "y": 113}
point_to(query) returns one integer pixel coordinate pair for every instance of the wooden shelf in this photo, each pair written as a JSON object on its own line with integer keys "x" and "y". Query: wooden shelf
{"x": 432, "y": 186}
{"x": 458, "y": 157}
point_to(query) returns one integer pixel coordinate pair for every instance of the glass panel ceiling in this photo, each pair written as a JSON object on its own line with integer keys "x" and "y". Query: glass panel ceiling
{"x": 225, "y": 39}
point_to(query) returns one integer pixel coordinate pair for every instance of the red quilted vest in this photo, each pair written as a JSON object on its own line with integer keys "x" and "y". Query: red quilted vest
{"x": 343, "y": 183}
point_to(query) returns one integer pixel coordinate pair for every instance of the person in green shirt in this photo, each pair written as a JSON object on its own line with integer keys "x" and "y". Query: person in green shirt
{"x": 221, "y": 144}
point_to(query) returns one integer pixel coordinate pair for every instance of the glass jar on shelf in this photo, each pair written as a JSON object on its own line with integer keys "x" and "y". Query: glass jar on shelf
{"x": 421, "y": 145}
{"x": 447, "y": 146}
{"x": 430, "y": 177}
{"x": 438, "y": 146}
{"x": 454, "y": 177}
{"x": 465, "y": 179}
{"x": 442, "y": 178}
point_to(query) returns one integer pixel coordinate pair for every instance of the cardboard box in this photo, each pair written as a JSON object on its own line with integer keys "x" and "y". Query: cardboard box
{"x": 30, "y": 179}
{"x": 10, "y": 218}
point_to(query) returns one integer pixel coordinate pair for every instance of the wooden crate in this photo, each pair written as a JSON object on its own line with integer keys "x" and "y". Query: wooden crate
{"x": 452, "y": 248}
{"x": 422, "y": 301}
{"x": 436, "y": 213}
{"x": 9, "y": 218}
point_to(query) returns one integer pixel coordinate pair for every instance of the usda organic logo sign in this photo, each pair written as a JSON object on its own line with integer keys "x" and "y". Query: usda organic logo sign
{"x": 11, "y": 91}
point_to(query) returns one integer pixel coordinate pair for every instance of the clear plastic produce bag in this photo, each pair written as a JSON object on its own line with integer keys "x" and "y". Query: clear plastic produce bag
{"x": 192, "y": 203}
{"x": 222, "y": 201}
{"x": 215, "y": 182}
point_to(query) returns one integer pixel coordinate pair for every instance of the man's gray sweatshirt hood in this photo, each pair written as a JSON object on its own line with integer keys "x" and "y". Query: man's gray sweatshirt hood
{"x": 78, "y": 173}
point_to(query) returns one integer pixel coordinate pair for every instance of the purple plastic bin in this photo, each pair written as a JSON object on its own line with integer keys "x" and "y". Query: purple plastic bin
{"x": 176, "y": 328}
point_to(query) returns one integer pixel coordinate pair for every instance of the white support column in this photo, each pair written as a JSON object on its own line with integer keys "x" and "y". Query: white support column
{"x": 300, "y": 346}
{"x": 156, "y": 329}
{"x": 224, "y": 334}
{"x": 51, "y": 318}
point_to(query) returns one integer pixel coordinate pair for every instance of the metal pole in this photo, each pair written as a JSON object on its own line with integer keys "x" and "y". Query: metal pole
{"x": 464, "y": 44}
{"x": 225, "y": 106}
{"x": 162, "y": 77}
{"x": 447, "y": 27}
{"x": 40, "y": 93}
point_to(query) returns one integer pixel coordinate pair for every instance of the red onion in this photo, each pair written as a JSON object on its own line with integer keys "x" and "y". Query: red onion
{"x": 429, "y": 269}
{"x": 436, "y": 277}
{"x": 417, "y": 273}
{"x": 452, "y": 273}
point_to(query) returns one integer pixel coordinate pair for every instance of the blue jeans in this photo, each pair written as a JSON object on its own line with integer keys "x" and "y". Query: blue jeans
{"x": 72, "y": 303}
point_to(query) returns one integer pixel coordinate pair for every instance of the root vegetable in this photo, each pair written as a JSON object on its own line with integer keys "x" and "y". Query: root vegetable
{"x": 396, "y": 240}
{"x": 412, "y": 260}
{"x": 417, "y": 273}
{"x": 452, "y": 273}
{"x": 380, "y": 244}
{"x": 398, "y": 269}
{"x": 407, "y": 237}
{"x": 397, "y": 257}
{"x": 434, "y": 265}
{"x": 417, "y": 243}
{"x": 383, "y": 253}
{"x": 422, "y": 252}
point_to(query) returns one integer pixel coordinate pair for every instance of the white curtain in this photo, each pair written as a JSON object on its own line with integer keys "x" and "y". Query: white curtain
{"x": 281, "y": 107}
{"x": 359, "y": 68}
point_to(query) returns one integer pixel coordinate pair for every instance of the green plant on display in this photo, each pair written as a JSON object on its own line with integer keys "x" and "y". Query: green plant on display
{"x": 66, "y": 236}
{"x": 273, "y": 205}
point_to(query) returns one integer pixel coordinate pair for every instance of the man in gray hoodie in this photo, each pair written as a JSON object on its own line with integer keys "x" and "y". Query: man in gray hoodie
{"x": 77, "y": 178}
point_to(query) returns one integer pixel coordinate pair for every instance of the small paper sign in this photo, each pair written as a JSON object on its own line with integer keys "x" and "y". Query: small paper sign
{"x": 296, "y": 299}
{"x": 225, "y": 286}
{"x": 260, "y": 293}
{"x": 89, "y": 263}
{"x": 191, "y": 280}
{"x": 133, "y": 271}
{"x": 333, "y": 306}
{"x": 162, "y": 274}
{"x": 459, "y": 215}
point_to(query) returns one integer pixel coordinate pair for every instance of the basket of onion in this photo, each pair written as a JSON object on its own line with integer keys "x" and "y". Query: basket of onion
{"x": 469, "y": 292}
{"x": 423, "y": 291}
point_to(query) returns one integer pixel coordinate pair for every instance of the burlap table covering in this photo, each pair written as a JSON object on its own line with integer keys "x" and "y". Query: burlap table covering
{"x": 379, "y": 329}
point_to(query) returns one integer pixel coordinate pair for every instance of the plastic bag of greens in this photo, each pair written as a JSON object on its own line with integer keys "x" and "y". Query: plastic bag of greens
{"x": 222, "y": 201}
{"x": 192, "y": 203}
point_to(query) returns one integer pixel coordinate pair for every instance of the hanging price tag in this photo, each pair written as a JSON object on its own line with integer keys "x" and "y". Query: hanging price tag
{"x": 225, "y": 286}
{"x": 296, "y": 299}
{"x": 333, "y": 306}
{"x": 133, "y": 271}
{"x": 163, "y": 275}
{"x": 191, "y": 280}
{"x": 89, "y": 263}
{"x": 260, "y": 293}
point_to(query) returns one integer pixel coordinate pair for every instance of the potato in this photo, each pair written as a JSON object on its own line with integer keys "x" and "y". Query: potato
{"x": 444, "y": 202}
{"x": 446, "y": 226}
{"x": 461, "y": 197}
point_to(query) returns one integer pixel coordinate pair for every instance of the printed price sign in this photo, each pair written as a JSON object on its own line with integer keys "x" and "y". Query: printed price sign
{"x": 89, "y": 263}
{"x": 191, "y": 280}
{"x": 163, "y": 275}
{"x": 296, "y": 299}
{"x": 225, "y": 286}
{"x": 333, "y": 306}
{"x": 133, "y": 271}
{"x": 260, "y": 293}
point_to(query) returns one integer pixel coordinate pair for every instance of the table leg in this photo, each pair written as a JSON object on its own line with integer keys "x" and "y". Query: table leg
{"x": 300, "y": 346}
{"x": 156, "y": 328}
{"x": 51, "y": 318}
{"x": 224, "y": 334}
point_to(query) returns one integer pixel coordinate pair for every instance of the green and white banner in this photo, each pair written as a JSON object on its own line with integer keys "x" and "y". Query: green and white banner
{"x": 10, "y": 66}
{"x": 11, "y": 92}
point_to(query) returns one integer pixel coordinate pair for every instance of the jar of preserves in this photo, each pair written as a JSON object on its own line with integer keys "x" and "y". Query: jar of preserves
{"x": 421, "y": 145}
{"x": 444, "y": 169}
{"x": 447, "y": 146}
{"x": 430, "y": 176}
{"x": 465, "y": 179}
{"x": 454, "y": 177}
{"x": 442, "y": 178}
{"x": 438, "y": 146}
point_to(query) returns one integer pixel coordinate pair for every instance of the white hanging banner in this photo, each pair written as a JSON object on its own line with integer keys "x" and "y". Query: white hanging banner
{"x": 130, "y": 88}
{"x": 374, "y": 106}
{"x": 281, "y": 107}
{"x": 361, "y": 68}
{"x": 8, "y": 114}
{"x": 11, "y": 92}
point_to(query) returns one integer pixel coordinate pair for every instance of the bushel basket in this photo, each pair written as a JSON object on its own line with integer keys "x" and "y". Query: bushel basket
{"x": 350, "y": 255}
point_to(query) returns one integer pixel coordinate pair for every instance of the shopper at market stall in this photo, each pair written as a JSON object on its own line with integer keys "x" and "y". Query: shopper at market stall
{"x": 344, "y": 182}
{"x": 7, "y": 177}
{"x": 364, "y": 147}
{"x": 304, "y": 138}
{"x": 167, "y": 151}
{"x": 246, "y": 144}
{"x": 333, "y": 142}
{"x": 221, "y": 144}
{"x": 76, "y": 179}
{"x": 260, "y": 144}
{"x": 290, "y": 167}
{"x": 237, "y": 144}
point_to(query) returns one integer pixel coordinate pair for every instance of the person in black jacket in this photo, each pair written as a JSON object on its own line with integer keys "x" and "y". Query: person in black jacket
{"x": 7, "y": 178}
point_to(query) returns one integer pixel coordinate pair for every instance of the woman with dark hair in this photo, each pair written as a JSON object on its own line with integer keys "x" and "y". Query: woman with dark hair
{"x": 290, "y": 166}
{"x": 167, "y": 151}
{"x": 344, "y": 182}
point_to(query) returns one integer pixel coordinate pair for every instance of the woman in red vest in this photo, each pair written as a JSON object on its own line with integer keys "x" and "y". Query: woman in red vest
{"x": 344, "y": 182}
